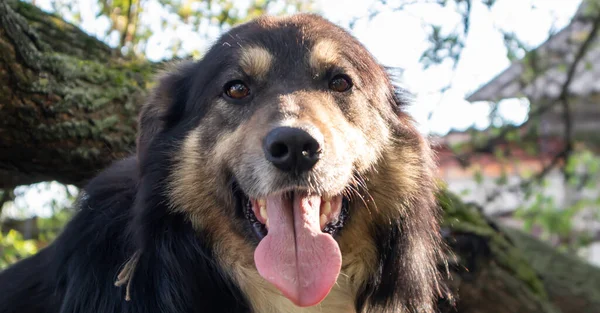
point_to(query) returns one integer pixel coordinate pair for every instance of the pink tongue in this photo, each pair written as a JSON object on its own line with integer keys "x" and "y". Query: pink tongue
{"x": 296, "y": 256}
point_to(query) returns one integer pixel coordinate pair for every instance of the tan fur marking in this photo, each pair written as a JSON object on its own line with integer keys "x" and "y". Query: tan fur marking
{"x": 324, "y": 53}
{"x": 193, "y": 191}
{"x": 188, "y": 195}
{"x": 256, "y": 61}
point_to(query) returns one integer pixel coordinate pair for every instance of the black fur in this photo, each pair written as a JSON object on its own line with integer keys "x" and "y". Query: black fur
{"x": 76, "y": 274}
{"x": 124, "y": 212}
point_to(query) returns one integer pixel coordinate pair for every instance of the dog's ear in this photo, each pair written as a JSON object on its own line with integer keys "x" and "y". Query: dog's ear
{"x": 166, "y": 102}
{"x": 400, "y": 96}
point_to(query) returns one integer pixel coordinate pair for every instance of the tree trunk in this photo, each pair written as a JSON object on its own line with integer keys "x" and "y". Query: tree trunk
{"x": 68, "y": 105}
{"x": 501, "y": 270}
{"x": 68, "y": 102}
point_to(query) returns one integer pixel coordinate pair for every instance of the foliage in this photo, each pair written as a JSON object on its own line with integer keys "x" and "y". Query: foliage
{"x": 13, "y": 245}
{"x": 131, "y": 25}
{"x": 13, "y": 248}
{"x": 556, "y": 221}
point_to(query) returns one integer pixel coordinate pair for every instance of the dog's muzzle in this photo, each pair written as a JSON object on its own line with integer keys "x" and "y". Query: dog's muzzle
{"x": 296, "y": 226}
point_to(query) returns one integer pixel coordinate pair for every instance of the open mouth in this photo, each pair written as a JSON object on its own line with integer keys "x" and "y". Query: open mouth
{"x": 297, "y": 252}
{"x": 333, "y": 212}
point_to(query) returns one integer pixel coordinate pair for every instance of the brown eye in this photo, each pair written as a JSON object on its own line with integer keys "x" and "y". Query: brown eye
{"x": 340, "y": 83}
{"x": 236, "y": 90}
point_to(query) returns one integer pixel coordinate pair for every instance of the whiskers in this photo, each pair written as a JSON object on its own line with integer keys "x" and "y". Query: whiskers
{"x": 358, "y": 190}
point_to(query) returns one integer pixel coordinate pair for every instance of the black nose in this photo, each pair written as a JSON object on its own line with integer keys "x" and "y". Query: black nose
{"x": 291, "y": 149}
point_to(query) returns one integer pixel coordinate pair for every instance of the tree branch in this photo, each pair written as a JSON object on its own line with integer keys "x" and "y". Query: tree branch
{"x": 68, "y": 102}
{"x": 127, "y": 23}
{"x": 565, "y": 94}
{"x": 562, "y": 99}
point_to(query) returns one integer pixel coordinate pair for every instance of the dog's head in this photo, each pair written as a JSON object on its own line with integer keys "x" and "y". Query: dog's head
{"x": 289, "y": 149}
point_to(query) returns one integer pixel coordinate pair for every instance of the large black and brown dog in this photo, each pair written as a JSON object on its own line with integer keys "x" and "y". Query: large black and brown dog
{"x": 280, "y": 173}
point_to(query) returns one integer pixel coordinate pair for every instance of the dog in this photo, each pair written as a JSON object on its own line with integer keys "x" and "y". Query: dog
{"x": 279, "y": 173}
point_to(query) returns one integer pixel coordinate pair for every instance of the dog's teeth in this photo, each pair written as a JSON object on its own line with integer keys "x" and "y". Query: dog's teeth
{"x": 323, "y": 220}
{"x": 263, "y": 211}
{"x": 267, "y": 224}
{"x": 326, "y": 198}
{"x": 326, "y": 208}
{"x": 262, "y": 202}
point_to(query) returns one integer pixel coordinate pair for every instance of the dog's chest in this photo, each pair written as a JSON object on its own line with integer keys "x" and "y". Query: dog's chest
{"x": 278, "y": 304}
{"x": 264, "y": 298}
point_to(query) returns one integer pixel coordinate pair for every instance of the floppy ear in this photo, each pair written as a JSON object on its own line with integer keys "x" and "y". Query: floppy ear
{"x": 165, "y": 104}
{"x": 406, "y": 235}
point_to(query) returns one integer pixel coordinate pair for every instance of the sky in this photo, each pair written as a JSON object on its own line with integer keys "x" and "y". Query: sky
{"x": 396, "y": 39}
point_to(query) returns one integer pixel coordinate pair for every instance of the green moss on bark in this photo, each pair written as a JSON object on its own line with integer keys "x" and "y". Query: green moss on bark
{"x": 76, "y": 101}
{"x": 495, "y": 258}
{"x": 505, "y": 270}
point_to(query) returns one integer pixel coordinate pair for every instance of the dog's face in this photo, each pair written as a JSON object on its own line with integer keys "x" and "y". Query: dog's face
{"x": 296, "y": 120}
{"x": 277, "y": 137}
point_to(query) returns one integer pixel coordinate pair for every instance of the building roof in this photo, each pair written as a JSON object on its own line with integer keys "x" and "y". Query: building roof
{"x": 551, "y": 61}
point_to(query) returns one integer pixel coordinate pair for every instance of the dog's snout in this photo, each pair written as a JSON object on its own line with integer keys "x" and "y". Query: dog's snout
{"x": 291, "y": 149}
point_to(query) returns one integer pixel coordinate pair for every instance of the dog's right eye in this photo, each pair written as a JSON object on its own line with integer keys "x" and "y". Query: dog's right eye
{"x": 340, "y": 83}
{"x": 236, "y": 89}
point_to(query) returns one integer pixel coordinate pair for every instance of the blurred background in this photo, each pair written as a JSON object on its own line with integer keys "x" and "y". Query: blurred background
{"x": 507, "y": 90}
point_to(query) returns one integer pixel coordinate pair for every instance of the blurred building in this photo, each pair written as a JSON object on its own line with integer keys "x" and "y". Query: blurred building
{"x": 543, "y": 73}
{"x": 542, "y": 77}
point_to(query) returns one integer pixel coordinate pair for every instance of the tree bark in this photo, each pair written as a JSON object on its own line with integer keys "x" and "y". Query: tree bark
{"x": 500, "y": 270}
{"x": 68, "y": 106}
{"x": 68, "y": 102}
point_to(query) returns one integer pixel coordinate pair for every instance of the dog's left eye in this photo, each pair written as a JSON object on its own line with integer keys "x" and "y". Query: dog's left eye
{"x": 340, "y": 83}
{"x": 236, "y": 90}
